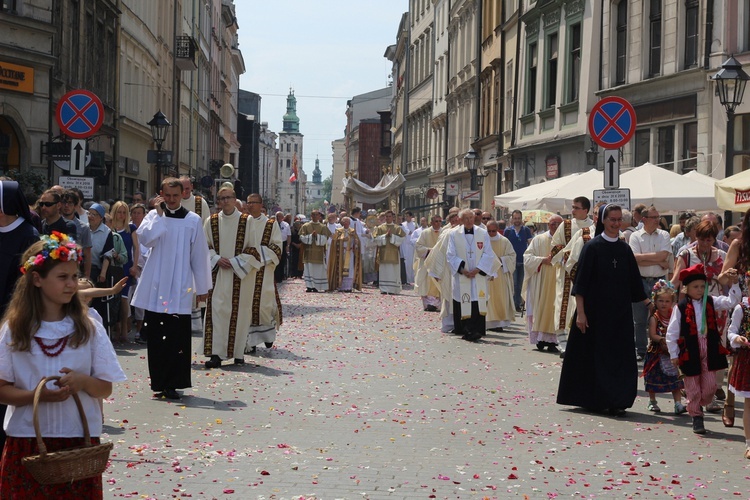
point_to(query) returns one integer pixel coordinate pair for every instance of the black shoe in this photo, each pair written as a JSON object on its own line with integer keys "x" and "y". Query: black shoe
{"x": 315, "y": 290}
{"x": 253, "y": 349}
{"x": 170, "y": 394}
{"x": 552, "y": 348}
{"x": 473, "y": 336}
{"x": 540, "y": 346}
{"x": 214, "y": 362}
{"x": 308, "y": 290}
{"x": 239, "y": 361}
{"x": 269, "y": 345}
{"x": 430, "y": 308}
{"x": 698, "y": 427}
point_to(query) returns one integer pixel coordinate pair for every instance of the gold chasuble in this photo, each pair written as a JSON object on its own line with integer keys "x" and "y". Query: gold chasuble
{"x": 315, "y": 248}
{"x": 500, "y": 308}
{"x": 540, "y": 283}
{"x": 345, "y": 259}
{"x": 388, "y": 252}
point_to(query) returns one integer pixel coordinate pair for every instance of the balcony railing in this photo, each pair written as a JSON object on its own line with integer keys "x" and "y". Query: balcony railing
{"x": 185, "y": 53}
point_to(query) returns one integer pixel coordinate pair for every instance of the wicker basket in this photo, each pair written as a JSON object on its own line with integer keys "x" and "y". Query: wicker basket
{"x": 67, "y": 465}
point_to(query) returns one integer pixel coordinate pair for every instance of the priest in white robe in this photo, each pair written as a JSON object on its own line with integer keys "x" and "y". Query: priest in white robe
{"x": 471, "y": 261}
{"x": 389, "y": 237}
{"x": 407, "y": 247}
{"x": 265, "y": 246}
{"x": 425, "y": 285}
{"x": 562, "y": 237}
{"x": 237, "y": 257}
{"x": 500, "y": 309}
{"x": 177, "y": 268}
{"x": 438, "y": 269}
{"x": 314, "y": 235}
{"x": 539, "y": 289}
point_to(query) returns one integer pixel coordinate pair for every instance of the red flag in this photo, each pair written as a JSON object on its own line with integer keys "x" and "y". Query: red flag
{"x": 293, "y": 177}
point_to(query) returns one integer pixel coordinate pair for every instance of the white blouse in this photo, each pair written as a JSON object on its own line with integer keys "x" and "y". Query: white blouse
{"x": 25, "y": 369}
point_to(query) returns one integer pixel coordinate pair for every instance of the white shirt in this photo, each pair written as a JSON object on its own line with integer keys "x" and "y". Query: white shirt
{"x": 641, "y": 242}
{"x": 25, "y": 369}
{"x": 285, "y": 230}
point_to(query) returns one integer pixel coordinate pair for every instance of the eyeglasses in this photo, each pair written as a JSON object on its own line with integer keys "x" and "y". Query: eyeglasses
{"x": 254, "y": 202}
{"x": 486, "y": 218}
{"x": 225, "y": 198}
{"x": 48, "y": 203}
{"x": 68, "y": 202}
{"x": 576, "y": 208}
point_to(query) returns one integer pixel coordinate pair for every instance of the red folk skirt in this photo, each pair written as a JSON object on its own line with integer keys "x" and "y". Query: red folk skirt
{"x": 740, "y": 377}
{"x": 17, "y": 483}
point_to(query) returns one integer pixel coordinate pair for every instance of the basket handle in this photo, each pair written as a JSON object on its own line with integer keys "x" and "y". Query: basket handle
{"x": 37, "y": 430}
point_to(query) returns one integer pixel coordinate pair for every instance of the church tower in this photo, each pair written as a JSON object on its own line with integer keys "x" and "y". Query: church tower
{"x": 291, "y": 193}
{"x": 317, "y": 173}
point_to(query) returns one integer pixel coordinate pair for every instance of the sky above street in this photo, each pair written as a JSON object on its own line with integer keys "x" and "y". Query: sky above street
{"x": 326, "y": 50}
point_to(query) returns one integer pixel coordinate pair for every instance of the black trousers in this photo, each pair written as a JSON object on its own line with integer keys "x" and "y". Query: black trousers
{"x": 169, "y": 342}
{"x": 476, "y": 324}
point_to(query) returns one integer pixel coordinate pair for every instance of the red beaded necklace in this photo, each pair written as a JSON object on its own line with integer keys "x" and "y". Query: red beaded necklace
{"x": 49, "y": 350}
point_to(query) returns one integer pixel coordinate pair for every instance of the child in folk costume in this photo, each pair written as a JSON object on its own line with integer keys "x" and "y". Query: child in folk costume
{"x": 694, "y": 339}
{"x": 659, "y": 374}
{"x": 739, "y": 379}
{"x": 47, "y": 331}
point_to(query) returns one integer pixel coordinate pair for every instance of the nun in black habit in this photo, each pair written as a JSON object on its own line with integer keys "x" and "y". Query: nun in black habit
{"x": 600, "y": 371}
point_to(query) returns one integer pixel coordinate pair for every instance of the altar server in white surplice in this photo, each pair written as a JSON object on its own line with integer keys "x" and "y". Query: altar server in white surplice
{"x": 472, "y": 261}
{"x": 177, "y": 268}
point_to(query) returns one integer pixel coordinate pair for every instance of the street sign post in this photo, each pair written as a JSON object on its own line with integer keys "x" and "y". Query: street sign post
{"x": 77, "y": 156}
{"x": 451, "y": 189}
{"x": 85, "y": 184}
{"x": 469, "y": 195}
{"x": 619, "y": 197}
{"x": 612, "y": 122}
{"x": 79, "y": 114}
{"x": 611, "y": 169}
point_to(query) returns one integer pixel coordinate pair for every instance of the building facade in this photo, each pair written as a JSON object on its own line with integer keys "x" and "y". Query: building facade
{"x": 290, "y": 193}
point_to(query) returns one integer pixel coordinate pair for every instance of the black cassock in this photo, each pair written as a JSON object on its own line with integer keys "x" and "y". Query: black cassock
{"x": 600, "y": 370}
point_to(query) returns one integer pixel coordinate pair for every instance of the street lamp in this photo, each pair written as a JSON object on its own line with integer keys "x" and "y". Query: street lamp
{"x": 471, "y": 160}
{"x": 730, "y": 87}
{"x": 591, "y": 154}
{"x": 480, "y": 180}
{"x": 159, "y": 127}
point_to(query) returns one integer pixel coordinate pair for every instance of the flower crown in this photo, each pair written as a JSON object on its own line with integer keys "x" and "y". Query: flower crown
{"x": 660, "y": 286}
{"x": 57, "y": 246}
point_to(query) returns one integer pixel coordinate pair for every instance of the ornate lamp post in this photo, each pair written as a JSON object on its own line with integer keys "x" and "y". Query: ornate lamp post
{"x": 730, "y": 80}
{"x": 159, "y": 128}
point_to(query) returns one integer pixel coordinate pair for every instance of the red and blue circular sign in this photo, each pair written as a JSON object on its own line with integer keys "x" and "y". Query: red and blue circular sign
{"x": 79, "y": 114}
{"x": 612, "y": 122}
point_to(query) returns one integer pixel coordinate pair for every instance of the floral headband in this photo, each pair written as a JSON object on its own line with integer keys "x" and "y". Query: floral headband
{"x": 57, "y": 246}
{"x": 662, "y": 286}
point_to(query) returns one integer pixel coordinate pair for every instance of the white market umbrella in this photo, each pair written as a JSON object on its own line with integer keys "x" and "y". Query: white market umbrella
{"x": 506, "y": 199}
{"x": 648, "y": 184}
{"x": 667, "y": 190}
{"x": 697, "y": 176}
{"x": 559, "y": 197}
{"x": 733, "y": 193}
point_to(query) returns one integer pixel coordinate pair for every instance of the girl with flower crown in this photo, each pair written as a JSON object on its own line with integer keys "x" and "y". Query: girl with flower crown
{"x": 46, "y": 331}
{"x": 659, "y": 374}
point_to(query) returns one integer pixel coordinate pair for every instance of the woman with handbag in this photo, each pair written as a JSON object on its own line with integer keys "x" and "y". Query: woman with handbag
{"x": 46, "y": 332}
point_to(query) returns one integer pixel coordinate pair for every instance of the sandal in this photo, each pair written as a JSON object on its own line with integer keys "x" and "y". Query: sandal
{"x": 727, "y": 418}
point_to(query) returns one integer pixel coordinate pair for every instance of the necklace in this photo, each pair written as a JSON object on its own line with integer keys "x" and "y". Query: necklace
{"x": 49, "y": 350}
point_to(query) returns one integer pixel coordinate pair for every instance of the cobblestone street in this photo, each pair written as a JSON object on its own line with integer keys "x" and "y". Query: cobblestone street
{"x": 363, "y": 397}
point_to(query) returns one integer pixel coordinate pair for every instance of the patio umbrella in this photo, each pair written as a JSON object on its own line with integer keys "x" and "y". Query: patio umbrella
{"x": 733, "y": 193}
{"x": 536, "y": 216}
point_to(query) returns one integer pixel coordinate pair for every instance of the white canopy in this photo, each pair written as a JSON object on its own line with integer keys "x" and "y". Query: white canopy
{"x": 733, "y": 193}
{"x": 551, "y": 199}
{"x": 534, "y": 190}
{"x": 361, "y": 192}
{"x": 648, "y": 184}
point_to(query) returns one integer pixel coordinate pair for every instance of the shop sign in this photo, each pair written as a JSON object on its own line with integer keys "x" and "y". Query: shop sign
{"x": 15, "y": 77}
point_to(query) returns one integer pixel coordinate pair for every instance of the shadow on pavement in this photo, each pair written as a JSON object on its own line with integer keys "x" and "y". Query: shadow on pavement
{"x": 278, "y": 353}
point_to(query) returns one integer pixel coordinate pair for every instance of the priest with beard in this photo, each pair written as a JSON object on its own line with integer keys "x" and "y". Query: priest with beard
{"x": 599, "y": 371}
{"x": 471, "y": 261}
